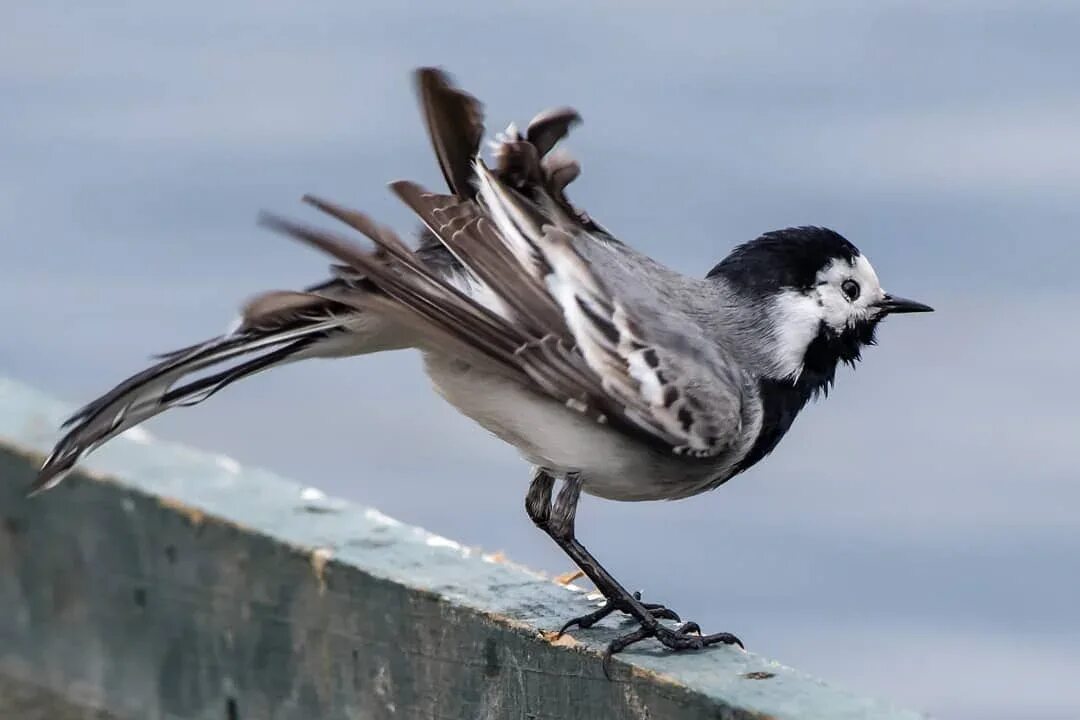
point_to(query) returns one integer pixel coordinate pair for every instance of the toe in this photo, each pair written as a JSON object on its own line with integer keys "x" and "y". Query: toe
{"x": 660, "y": 612}
{"x": 725, "y": 638}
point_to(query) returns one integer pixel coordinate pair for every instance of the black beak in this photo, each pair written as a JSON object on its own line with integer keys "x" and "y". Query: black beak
{"x": 892, "y": 304}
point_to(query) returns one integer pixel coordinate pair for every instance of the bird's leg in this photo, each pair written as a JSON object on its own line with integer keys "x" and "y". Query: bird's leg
{"x": 557, "y": 520}
{"x": 539, "y": 506}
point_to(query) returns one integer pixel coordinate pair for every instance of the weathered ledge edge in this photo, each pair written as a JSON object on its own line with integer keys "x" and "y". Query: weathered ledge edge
{"x": 170, "y": 583}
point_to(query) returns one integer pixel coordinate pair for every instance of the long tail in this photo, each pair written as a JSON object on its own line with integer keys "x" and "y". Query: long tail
{"x": 276, "y": 328}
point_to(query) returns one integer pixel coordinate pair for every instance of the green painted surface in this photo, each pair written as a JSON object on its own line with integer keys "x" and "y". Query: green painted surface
{"x": 175, "y": 584}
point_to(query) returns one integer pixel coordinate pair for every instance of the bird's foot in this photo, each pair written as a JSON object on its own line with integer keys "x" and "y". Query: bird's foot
{"x": 586, "y": 621}
{"x": 686, "y": 637}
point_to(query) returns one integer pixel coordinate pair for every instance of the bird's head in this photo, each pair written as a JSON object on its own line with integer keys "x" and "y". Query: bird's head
{"x": 817, "y": 296}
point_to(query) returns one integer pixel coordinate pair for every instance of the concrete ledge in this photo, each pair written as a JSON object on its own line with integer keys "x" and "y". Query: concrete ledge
{"x": 168, "y": 583}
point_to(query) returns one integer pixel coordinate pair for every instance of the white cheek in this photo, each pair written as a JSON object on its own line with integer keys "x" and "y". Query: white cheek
{"x": 797, "y": 321}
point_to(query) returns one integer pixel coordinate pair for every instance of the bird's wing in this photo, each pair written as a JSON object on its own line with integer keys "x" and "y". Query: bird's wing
{"x": 543, "y": 317}
{"x": 533, "y": 308}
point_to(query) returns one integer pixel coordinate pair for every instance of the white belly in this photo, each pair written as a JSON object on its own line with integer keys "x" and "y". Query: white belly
{"x": 554, "y": 437}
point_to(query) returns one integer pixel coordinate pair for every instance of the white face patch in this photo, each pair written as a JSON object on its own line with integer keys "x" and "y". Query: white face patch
{"x": 798, "y": 315}
{"x": 837, "y": 310}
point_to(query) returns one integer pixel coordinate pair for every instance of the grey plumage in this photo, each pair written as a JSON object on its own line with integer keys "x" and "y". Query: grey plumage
{"x": 602, "y": 366}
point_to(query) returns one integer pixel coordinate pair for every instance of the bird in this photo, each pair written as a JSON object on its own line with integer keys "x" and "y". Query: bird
{"x": 612, "y": 374}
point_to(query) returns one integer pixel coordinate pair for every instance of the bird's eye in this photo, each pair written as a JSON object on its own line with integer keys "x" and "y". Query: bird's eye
{"x": 850, "y": 288}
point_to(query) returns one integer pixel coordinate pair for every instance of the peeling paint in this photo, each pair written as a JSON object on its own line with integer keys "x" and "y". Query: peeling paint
{"x": 568, "y": 577}
{"x": 320, "y": 556}
{"x": 554, "y": 638}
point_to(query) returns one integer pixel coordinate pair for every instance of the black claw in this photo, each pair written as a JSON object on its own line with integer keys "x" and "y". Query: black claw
{"x": 725, "y": 638}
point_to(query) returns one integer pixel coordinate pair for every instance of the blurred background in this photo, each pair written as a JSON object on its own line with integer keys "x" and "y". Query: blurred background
{"x": 916, "y": 537}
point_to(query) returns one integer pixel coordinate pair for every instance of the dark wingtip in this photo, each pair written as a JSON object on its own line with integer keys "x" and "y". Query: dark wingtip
{"x": 431, "y": 76}
{"x": 455, "y": 123}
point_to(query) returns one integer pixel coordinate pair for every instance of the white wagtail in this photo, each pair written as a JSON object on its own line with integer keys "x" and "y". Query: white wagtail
{"x": 608, "y": 371}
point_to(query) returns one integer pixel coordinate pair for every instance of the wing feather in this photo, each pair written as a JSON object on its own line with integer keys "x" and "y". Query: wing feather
{"x": 525, "y": 302}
